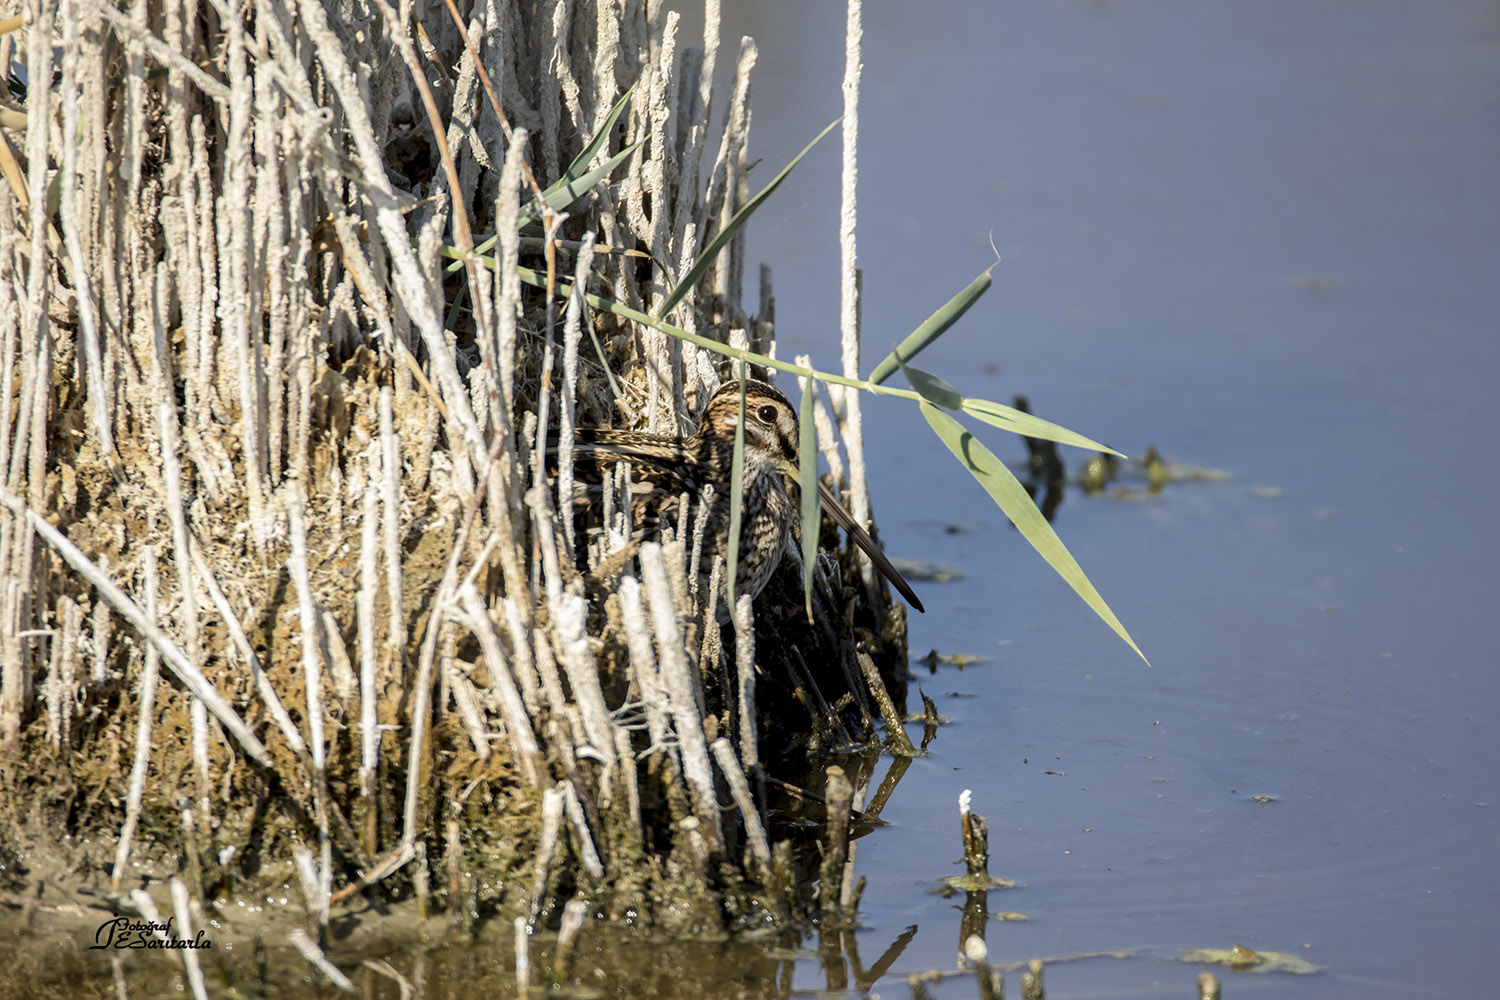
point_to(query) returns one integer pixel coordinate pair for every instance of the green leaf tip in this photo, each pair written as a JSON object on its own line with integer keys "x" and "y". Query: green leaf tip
{"x": 1008, "y": 493}
{"x": 933, "y": 326}
{"x": 1008, "y": 418}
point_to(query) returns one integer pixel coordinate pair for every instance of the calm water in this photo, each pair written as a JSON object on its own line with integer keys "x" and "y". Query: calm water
{"x": 1264, "y": 237}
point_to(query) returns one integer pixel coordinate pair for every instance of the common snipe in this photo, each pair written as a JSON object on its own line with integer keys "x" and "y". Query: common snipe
{"x": 664, "y": 468}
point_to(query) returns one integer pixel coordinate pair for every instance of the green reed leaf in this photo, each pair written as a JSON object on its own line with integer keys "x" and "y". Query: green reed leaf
{"x": 583, "y": 159}
{"x": 1011, "y": 496}
{"x": 1008, "y": 418}
{"x": 933, "y": 327}
{"x": 565, "y": 191}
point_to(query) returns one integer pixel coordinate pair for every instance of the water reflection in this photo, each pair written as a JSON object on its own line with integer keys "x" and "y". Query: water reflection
{"x": 1045, "y": 469}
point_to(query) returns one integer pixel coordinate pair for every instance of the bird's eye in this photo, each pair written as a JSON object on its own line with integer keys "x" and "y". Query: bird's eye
{"x": 767, "y": 414}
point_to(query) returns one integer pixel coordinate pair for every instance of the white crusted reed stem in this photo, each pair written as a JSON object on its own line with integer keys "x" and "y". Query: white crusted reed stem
{"x": 572, "y": 336}
{"x": 525, "y": 671}
{"x": 721, "y": 182}
{"x": 311, "y": 880}
{"x": 849, "y": 292}
{"x": 390, "y": 500}
{"x": 239, "y": 296}
{"x": 739, "y": 788}
{"x": 72, "y": 631}
{"x": 517, "y": 722}
{"x": 587, "y": 853}
{"x": 643, "y": 665}
{"x": 146, "y": 907}
{"x": 583, "y": 675}
{"x": 206, "y": 269}
{"x": 147, "y": 699}
{"x": 28, "y": 460}
{"x": 436, "y": 620}
{"x": 523, "y": 956}
{"x": 700, "y": 526}
{"x": 552, "y": 815}
{"x": 461, "y": 690}
{"x": 101, "y": 641}
{"x": 744, "y": 656}
{"x": 546, "y": 541}
{"x": 674, "y": 555}
{"x": 692, "y": 128}
{"x": 312, "y": 678}
{"x": 500, "y": 368}
{"x": 185, "y": 933}
{"x": 663, "y": 354}
{"x": 269, "y": 237}
{"x": 369, "y": 585}
{"x": 131, "y": 612}
{"x": 508, "y": 288}
{"x": 315, "y": 957}
{"x": 198, "y": 717}
{"x": 543, "y": 410}
{"x": 567, "y": 935}
{"x": 732, "y": 277}
{"x": 894, "y": 730}
{"x": 656, "y": 112}
{"x": 167, "y": 428}
{"x": 546, "y": 666}
{"x": 66, "y": 689}
{"x": 242, "y": 645}
{"x": 384, "y": 968}
{"x": 677, "y": 676}
{"x": 89, "y": 346}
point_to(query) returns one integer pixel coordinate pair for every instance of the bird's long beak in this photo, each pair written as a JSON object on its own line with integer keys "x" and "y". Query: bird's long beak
{"x": 867, "y": 544}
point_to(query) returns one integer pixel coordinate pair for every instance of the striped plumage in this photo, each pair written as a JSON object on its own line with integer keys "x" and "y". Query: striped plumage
{"x": 664, "y": 468}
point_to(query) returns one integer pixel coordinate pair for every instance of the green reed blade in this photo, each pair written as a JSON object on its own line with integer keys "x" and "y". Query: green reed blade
{"x": 933, "y": 327}
{"x": 1011, "y": 496}
{"x": 1009, "y": 418}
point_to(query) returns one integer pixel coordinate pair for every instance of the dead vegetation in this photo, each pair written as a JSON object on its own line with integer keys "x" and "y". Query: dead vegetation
{"x": 285, "y": 599}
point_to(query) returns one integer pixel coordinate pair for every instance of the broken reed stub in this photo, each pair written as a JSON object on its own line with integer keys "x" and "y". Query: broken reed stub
{"x": 976, "y": 838}
{"x": 895, "y": 731}
{"x": 1032, "y": 987}
{"x": 839, "y": 796}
